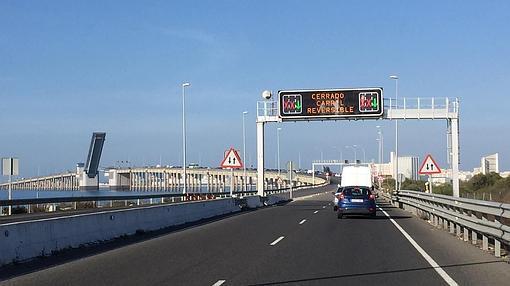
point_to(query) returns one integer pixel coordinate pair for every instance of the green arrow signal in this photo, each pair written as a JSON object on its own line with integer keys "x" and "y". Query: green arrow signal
{"x": 298, "y": 105}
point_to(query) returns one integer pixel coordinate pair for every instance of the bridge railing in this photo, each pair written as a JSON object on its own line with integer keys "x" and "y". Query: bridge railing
{"x": 461, "y": 216}
{"x": 40, "y": 205}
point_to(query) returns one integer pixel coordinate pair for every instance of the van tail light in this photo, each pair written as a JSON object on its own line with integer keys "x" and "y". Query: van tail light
{"x": 340, "y": 196}
{"x": 372, "y": 197}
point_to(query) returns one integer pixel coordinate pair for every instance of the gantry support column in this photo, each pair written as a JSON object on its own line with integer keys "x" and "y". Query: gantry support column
{"x": 260, "y": 158}
{"x": 454, "y": 123}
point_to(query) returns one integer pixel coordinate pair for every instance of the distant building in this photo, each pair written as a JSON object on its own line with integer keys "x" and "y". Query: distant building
{"x": 465, "y": 175}
{"x": 489, "y": 164}
{"x": 505, "y": 174}
{"x": 383, "y": 169}
{"x": 408, "y": 166}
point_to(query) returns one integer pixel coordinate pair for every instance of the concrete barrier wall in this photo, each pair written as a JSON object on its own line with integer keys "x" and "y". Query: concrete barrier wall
{"x": 276, "y": 198}
{"x": 24, "y": 240}
{"x": 21, "y": 241}
{"x": 253, "y": 202}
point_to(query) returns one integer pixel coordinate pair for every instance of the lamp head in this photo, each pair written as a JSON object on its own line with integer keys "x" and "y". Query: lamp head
{"x": 266, "y": 94}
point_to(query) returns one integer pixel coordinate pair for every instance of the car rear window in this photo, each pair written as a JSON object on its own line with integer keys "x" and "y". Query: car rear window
{"x": 356, "y": 192}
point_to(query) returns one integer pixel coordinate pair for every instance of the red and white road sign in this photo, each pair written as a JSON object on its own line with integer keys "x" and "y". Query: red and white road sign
{"x": 231, "y": 160}
{"x": 429, "y": 166}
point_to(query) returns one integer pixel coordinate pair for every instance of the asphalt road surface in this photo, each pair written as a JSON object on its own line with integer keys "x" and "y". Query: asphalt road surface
{"x": 299, "y": 243}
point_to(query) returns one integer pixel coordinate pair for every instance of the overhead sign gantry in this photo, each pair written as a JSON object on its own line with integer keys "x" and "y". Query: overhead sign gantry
{"x": 354, "y": 104}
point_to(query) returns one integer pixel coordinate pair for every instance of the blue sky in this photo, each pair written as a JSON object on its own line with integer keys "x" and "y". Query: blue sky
{"x": 68, "y": 68}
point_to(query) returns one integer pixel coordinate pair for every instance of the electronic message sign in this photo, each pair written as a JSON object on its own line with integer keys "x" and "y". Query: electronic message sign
{"x": 330, "y": 104}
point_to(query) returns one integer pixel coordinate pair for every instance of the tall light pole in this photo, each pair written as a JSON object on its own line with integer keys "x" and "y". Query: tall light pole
{"x": 341, "y": 158}
{"x": 278, "y": 149}
{"x": 397, "y": 183}
{"x": 339, "y": 151}
{"x": 379, "y": 140}
{"x": 244, "y": 151}
{"x": 362, "y": 149}
{"x": 353, "y": 149}
{"x": 184, "y": 85}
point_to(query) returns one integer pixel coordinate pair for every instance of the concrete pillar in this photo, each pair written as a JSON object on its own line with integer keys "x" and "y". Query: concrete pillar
{"x": 85, "y": 182}
{"x": 497, "y": 248}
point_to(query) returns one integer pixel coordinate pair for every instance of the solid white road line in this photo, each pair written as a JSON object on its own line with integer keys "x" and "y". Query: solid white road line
{"x": 277, "y": 240}
{"x": 219, "y": 282}
{"x": 449, "y": 280}
{"x": 303, "y": 221}
{"x": 315, "y": 212}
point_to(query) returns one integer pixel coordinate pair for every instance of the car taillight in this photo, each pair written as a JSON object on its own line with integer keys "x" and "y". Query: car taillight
{"x": 340, "y": 197}
{"x": 372, "y": 197}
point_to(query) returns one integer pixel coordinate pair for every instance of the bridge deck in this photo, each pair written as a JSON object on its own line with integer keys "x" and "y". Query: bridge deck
{"x": 316, "y": 249}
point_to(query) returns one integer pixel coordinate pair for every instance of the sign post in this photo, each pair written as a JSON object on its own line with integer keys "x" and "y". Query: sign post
{"x": 429, "y": 167}
{"x": 10, "y": 167}
{"x": 290, "y": 168}
{"x": 231, "y": 181}
{"x": 231, "y": 161}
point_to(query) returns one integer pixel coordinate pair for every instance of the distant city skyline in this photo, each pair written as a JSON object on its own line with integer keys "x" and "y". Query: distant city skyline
{"x": 69, "y": 69}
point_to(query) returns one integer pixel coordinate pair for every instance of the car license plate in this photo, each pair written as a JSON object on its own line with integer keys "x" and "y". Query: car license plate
{"x": 357, "y": 200}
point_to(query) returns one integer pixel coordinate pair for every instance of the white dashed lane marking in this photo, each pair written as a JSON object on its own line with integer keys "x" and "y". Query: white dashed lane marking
{"x": 277, "y": 240}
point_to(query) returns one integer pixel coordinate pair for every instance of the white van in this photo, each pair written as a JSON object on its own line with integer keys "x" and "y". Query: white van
{"x": 359, "y": 176}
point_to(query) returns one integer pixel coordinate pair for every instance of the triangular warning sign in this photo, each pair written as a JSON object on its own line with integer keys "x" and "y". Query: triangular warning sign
{"x": 232, "y": 160}
{"x": 429, "y": 166}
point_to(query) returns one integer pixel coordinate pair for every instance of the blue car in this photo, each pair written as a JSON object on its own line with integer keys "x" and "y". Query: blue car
{"x": 356, "y": 200}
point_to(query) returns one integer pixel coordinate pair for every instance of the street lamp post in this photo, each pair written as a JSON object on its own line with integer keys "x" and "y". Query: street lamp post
{"x": 379, "y": 139}
{"x": 278, "y": 149}
{"x": 397, "y": 180}
{"x": 184, "y": 85}
{"x": 362, "y": 149}
{"x": 341, "y": 157}
{"x": 354, "y": 149}
{"x": 244, "y": 151}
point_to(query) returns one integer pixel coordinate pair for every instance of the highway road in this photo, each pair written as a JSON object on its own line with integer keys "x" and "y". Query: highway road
{"x": 299, "y": 243}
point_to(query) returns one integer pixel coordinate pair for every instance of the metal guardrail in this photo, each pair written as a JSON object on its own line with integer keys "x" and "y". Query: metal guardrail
{"x": 462, "y": 216}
